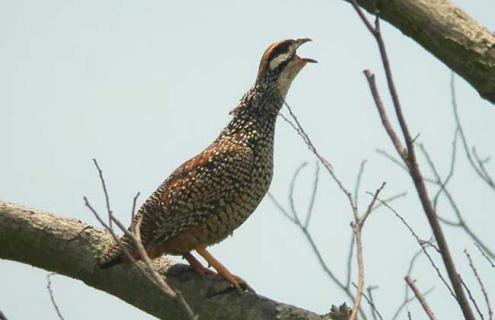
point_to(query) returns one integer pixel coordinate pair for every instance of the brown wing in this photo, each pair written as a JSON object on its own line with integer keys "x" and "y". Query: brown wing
{"x": 196, "y": 190}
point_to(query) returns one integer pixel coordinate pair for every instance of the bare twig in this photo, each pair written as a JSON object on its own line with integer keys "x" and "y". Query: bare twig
{"x": 421, "y": 244}
{"x": 485, "y": 255}
{"x": 369, "y": 299}
{"x": 391, "y": 158}
{"x": 313, "y": 196}
{"x": 314, "y": 247}
{"x": 478, "y": 165}
{"x": 282, "y": 210}
{"x": 105, "y": 192}
{"x": 357, "y": 227}
{"x": 407, "y": 299}
{"x": 461, "y": 222}
{"x": 390, "y": 199}
{"x": 420, "y": 298}
{"x": 358, "y": 180}
{"x": 374, "y": 309}
{"x": 291, "y": 192}
{"x": 349, "y": 262}
{"x": 472, "y": 299}
{"x": 409, "y": 158}
{"x": 133, "y": 210}
{"x": 372, "y": 203}
{"x": 52, "y": 296}
{"x": 482, "y": 286}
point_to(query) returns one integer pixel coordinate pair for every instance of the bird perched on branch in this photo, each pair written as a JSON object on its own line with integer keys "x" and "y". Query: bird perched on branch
{"x": 208, "y": 197}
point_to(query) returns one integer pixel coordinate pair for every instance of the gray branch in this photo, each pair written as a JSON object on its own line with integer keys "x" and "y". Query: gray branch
{"x": 448, "y": 33}
{"x": 69, "y": 247}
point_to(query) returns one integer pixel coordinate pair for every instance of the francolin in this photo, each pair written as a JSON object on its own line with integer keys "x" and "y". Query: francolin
{"x": 208, "y": 197}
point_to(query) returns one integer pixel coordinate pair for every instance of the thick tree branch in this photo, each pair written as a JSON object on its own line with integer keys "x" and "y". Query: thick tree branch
{"x": 448, "y": 33}
{"x": 69, "y": 247}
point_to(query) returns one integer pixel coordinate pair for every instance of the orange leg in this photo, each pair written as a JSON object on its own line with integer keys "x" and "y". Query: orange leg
{"x": 195, "y": 264}
{"x": 236, "y": 281}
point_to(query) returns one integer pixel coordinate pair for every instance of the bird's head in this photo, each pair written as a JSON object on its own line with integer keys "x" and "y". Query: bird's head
{"x": 280, "y": 64}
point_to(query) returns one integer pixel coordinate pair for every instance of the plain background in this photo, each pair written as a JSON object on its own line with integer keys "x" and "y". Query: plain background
{"x": 144, "y": 85}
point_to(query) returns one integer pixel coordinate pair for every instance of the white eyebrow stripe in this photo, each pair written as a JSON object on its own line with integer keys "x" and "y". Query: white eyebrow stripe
{"x": 278, "y": 60}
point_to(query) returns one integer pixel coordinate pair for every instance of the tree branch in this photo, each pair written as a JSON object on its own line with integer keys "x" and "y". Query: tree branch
{"x": 70, "y": 247}
{"x": 448, "y": 33}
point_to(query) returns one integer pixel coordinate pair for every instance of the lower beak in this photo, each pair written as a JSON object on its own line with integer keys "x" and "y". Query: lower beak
{"x": 309, "y": 60}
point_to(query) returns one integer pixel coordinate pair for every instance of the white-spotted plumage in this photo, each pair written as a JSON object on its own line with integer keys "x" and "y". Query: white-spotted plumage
{"x": 208, "y": 197}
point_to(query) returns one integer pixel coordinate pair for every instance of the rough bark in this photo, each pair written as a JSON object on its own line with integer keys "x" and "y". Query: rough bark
{"x": 69, "y": 247}
{"x": 449, "y": 34}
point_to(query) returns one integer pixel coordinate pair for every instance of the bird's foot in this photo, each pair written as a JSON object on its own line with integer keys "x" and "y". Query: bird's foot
{"x": 236, "y": 281}
{"x": 196, "y": 265}
{"x": 242, "y": 284}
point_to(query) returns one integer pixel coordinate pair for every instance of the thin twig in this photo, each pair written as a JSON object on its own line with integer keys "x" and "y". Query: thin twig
{"x": 421, "y": 244}
{"x": 482, "y": 286}
{"x": 374, "y": 309}
{"x": 291, "y": 191}
{"x": 407, "y": 299}
{"x": 372, "y": 203}
{"x": 314, "y": 247}
{"x": 485, "y": 255}
{"x": 472, "y": 299}
{"x": 358, "y": 180}
{"x": 357, "y": 228}
{"x": 282, "y": 210}
{"x": 390, "y": 199}
{"x": 461, "y": 223}
{"x": 481, "y": 172}
{"x": 369, "y": 300}
{"x": 313, "y": 196}
{"x": 52, "y": 296}
{"x": 349, "y": 262}
{"x": 420, "y": 298}
{"x": 133, "y": 210}
{"x": 105, "y": 192}
{"x": 391, "y": 158}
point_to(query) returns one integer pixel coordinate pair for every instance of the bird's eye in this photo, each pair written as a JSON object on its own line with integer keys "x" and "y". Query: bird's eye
{"x": 280, "y": 54}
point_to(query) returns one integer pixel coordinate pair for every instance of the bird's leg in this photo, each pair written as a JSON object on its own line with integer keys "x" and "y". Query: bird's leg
{"x": 195, "y": 264}
{"x": 236, "y": 281}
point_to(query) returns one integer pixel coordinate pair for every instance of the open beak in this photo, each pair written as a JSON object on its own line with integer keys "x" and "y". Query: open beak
{"x": 299, "y": 43}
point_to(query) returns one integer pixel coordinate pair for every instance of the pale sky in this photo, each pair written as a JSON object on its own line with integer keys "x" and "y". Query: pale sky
{"x": 144, "y": 85}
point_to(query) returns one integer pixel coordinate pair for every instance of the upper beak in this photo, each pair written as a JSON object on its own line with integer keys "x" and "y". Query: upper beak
{"x": 299, "y": 43}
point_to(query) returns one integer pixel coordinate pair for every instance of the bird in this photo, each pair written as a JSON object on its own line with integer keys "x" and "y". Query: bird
{"x": 209, "y": 196}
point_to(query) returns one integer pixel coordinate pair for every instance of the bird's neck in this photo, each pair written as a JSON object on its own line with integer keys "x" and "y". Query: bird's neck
{"x": 261, "y": 103}
{"x": 256, "y": 114}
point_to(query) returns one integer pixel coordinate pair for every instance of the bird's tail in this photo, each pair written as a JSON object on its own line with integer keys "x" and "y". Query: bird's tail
{"x": 115, "y": 255}
{"x": 108, "y": 261}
